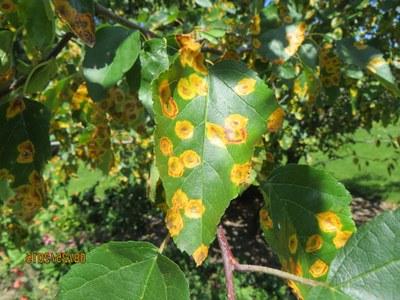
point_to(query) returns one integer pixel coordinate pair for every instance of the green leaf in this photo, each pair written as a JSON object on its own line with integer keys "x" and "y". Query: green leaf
{"x": 5, "y": 191}
{"x": 25, "y": 148}
{"x": 40, "y": 77}
{"x": 115, "y": 52}
{"x": 207, "y": 128}
{"x": 368, "y": 267}
{"x": 278, "y": 45}
{"x": 79, "y": 15}
{"x": 154, "y": 60}
{"x": 368, "y": 58}
{"x": 125, "y": 270}
{"x": 39, "y": 22}
{"x": 309, "y": 55}
{"x": 306, "y": 220}
{"x": 204, "y": 3}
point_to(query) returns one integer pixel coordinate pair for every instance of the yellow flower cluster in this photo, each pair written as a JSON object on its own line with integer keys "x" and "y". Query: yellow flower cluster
{"x": 330, "y": 66}
{"x": 190, "y": 87}
{"x": 255, "y": 25}
{"x": 233, "y": 132}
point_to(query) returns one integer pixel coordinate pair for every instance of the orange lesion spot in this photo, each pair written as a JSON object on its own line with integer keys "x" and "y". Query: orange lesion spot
{"x": 7, "y": 6}
{"x": 245, "y": 86}
{"x": 169, "y": 106}
{"x": 174, "y": 222}
{"x": 295, "y": 38}
{"x": 179, "y": 199}
{"x": 26, "y": 152}
{"x": 185, "y": 90}
{"x": 235, "y": 129}
{"x": 216, "y": 134}
{"x": 265, "y": 219}
{"x": 184, "y": 129}
{"x": 295, "y": 267}
{"x": 190, "y": 53}
{"x": 328, "y": 221}
{"x": 175, "y": 167}
{"x": 240, "y": 173}
{"x": 194, "y": 209}
{"x": 199, "y": 84}
{"x": 292, "y": 244}
{"x": 314, "y": 243}
{"x": 295, "y": 289}
{"x": 275, "y": 120}
{"x": 6, "y": 175}
{"x": 318, "y": 269}
{"x": 341, "y": 238}
{"x": 15, "y": 107}
{"x": 190, "y": 159}
{"x": 200, "y": 254}
{"x": 375, "y": 63}
{"x": 35, "y": 179}
{"x": 166, "y": 146}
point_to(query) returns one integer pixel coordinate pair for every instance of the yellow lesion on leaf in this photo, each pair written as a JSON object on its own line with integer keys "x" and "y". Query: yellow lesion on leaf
{"x": 185, "y": 90}
{"x": 295, "y": 289}
{"x": 295, "y": 267}
{"x": 174, "y": 222}
{"x": 200, "y": 254}
{"x": 314, "y": 243}
{"x": 15, "y": 107}
{"x": 235, "y": 129}
{"x": 265, "y": 219}
{"x": 216, "y": 134}
{"x": 7, "y": 6}
{"x": 194, "y": 209}
{"x": 169, "y": 106}
{"x": 190, "y": 159}
{"x": 295, "y": 38}
{"x": 240, "y": 173}
{"x": 375, "y": 63}
{"x": 6, "y": 175}
{"x": 245, "y": 86}
{"x": 26, "y": 152}
{"x": 275, "y": 120}
{"x": 199, "y": 84}
{"x": 328, "y": 221}
{"x": 175, "y": 167}
{"x": 293, "y": 243}
{"x": 184, "y": 129}
{"x": 179, "y": 199}
{"x": 166, "y": 146}
{"x": 341, "y": 238}
{"x": 318, "y": 269}
{"x": 190, "y": 53}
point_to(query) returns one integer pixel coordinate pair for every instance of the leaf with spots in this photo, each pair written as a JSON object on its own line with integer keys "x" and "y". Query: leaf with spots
{"x": 369, "y": 58}
{"x": 25, "y": 148}
{"x": 79, "y": 15}
{"x": 306, "y": 220}
{"x": 125, "y": 270}
{"x": 368, "y": 267}
{"x": 278, "y": 45}
{"x": 208, "y": 122}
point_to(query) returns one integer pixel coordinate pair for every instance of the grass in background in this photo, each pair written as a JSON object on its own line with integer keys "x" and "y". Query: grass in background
{"x": 371, "y": 179}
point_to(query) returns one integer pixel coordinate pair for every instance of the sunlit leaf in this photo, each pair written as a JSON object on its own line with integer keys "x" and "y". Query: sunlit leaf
{"x": 306, "y": 220}
{"x": 125, "y": 270}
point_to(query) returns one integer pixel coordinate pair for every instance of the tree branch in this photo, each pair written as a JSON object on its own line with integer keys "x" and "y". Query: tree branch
{"x": 103, "y": 11}
{"x": 231, "y": 265}
{"x": 53, "y": 53}
{"x": 229, "y": 262}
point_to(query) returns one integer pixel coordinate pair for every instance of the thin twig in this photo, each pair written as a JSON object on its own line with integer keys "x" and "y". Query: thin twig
{"x": 164, "y": 243}
{"x": 103, "y": 11}
{"x": 53, "y": 53}
{"x": 278, "y": 273}
{"x": 229, "y": 262}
